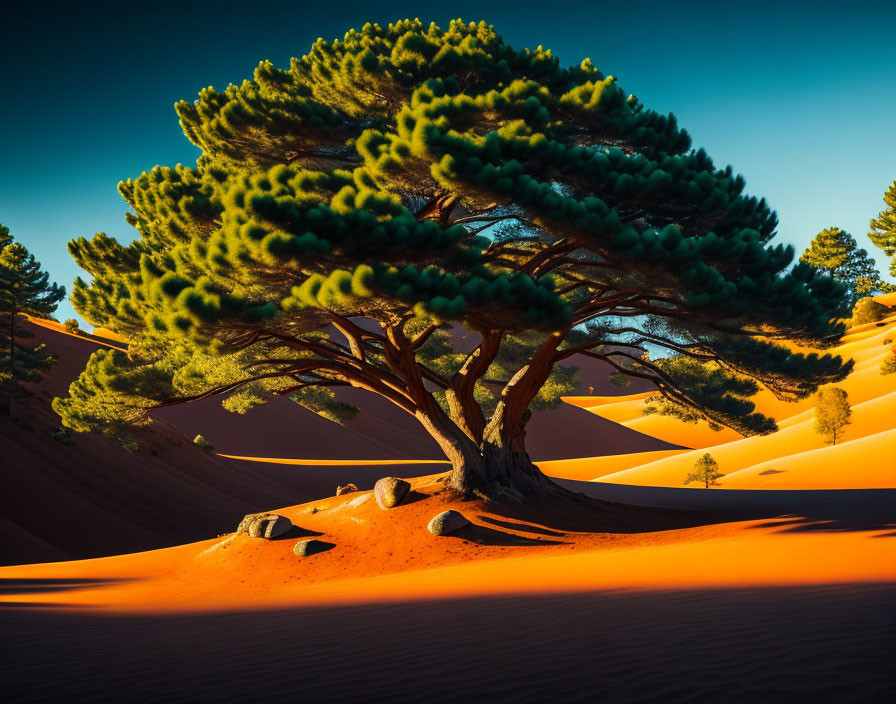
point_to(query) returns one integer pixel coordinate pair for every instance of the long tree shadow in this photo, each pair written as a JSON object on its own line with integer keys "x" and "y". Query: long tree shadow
{"x": 483, "y": 535}
{"x": 628, "y": 508}
{"x": 828, "y": 524}
{"x": 525, "y": 527}
{"x": 45, "y": 585}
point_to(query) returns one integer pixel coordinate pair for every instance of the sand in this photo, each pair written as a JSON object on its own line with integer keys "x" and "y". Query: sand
{"x": 770, "y": 644}
{"x": 686, "y": 608}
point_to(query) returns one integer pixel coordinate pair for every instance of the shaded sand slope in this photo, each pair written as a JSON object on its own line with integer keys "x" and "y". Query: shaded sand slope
{"x": 772, "y": 644}
{"x": 93, "y": 499}
{"x": 282, "y": 429}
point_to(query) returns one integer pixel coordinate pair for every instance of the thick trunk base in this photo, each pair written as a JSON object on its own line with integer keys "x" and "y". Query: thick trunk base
{"x": 502, "y": 474}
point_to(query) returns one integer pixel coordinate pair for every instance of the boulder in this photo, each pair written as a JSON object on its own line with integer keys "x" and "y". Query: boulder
{"x": 447, "y": 522}
{"x": 264, "y": 525}
{"x": 347, "y": 489}
{"x": 307, "y": 548}
{"x": 390, "y": 491}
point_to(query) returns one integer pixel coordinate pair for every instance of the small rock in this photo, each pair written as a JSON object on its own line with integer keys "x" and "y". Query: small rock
{"x": 264, "y": 525}
{"x": 390, "y": 491}
{"x": 447, "y": 522}
{"x": 347, "y": 489}
{"x": 307, "y": 548}
{"x": 359, "y": 500}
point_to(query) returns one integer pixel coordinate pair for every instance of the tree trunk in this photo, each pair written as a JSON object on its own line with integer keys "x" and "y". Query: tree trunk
{"x": 500, "y": 467}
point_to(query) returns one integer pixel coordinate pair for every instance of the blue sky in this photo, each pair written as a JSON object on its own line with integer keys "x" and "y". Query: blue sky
{"x": 798, "y": 97}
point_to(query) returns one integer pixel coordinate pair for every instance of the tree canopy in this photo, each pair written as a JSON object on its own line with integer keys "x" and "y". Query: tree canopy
{"x": 352, "y": 210}
{"x": 832, "y": 412}
{"x": 706, "y": 471}
{"x": 883, "y": 227}
{"x": 837, "y": 253}
{"x": 24, "y": 290}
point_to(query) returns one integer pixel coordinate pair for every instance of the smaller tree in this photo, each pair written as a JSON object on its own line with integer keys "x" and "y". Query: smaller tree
{"x": 832, "y": 412}
{"x": 836, "y": 252}
{"x": 72, "y": 327}
{"x": 883, "y": 228}
{"x": 24, "y": 290}
{"x": 706, "y": 470}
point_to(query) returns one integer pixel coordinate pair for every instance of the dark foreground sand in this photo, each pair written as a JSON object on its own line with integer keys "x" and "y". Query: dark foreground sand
{"x": 816, "y": 644}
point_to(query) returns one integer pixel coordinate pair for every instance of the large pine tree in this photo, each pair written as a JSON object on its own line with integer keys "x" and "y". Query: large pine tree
{"x": 883, "y": 227}
{"x": 24, "y": 290}
{"x": 347, "y": 211}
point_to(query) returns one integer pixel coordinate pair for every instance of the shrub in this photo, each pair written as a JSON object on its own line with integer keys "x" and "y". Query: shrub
{"x": 63, "y": 435}
{"x": 867, "y": 310}
{"x": 204, "y": 444}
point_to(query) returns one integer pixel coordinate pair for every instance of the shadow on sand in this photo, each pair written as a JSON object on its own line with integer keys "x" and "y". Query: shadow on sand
{"x": 799, "y": 510}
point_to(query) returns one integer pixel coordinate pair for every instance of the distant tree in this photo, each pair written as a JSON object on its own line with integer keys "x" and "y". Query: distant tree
{"x": 349, "y": 212}
{"x": 829, "y": 249}
{"x": 24, "y": 290}
{"x": 706, "y": 471}
{"x": 888, "y": 366}
{"x": 832, "y": 412}
{"x": 71, "y": 325}
{"x": 883, "y": 227}
{"x": 836, "y": 252}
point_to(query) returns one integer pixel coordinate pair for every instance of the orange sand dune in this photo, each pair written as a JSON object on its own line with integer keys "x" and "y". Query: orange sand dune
{"x": 381, "y": 555}
{"x": 59, "y": 327}
{"x": 593, "y": 401}
{"x": 108, "y": 334}
{"x": 887, "y": 299}
{"x": 588, "y": 468}
{"x": 866, "y": 463}
{"x": 868, "y": 418}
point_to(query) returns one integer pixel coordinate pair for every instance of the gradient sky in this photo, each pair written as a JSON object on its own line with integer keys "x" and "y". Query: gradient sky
{"x": 798, "y": 97}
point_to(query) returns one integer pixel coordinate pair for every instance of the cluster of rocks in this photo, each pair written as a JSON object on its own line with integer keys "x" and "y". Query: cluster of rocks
{"x": 389, "y": 492}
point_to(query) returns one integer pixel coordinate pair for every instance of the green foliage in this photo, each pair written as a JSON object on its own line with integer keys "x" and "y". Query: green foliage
{"x": 832, "y": 412}
{"x": 867, "y": 310}
{"x": 204, "y": 445}
{"x": 706, "y": 471}
{"x": 836, "y": 253}
{"x": 699, "y": 390}
{"x": 349, "y": 211}
{"x": 71, "y": 325}
{"x": 883, "y": 227}
{"x": 24, "y": 290}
